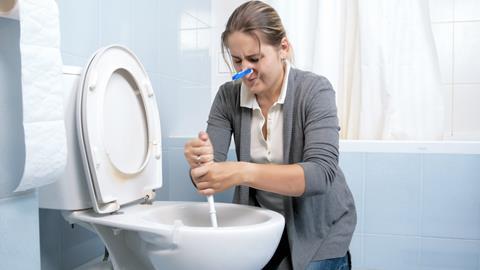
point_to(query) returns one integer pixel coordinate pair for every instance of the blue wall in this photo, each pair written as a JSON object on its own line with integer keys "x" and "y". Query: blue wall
{"x": 415, "y": 211}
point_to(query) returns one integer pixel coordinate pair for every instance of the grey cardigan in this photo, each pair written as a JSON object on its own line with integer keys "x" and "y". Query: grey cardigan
{"x": 320, "y": 223}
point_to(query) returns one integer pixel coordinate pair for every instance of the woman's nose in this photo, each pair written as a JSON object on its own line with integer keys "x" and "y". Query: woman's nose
{"x": 247, "y": 65}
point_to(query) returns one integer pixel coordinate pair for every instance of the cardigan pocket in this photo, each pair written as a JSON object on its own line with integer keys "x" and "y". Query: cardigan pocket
{"x": 329, "y": 210}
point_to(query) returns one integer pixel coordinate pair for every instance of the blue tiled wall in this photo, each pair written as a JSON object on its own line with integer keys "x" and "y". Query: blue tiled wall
{"x": 19, "y": 236}
{"x": 415, "y": 211}
{"x": 171, "y": 39}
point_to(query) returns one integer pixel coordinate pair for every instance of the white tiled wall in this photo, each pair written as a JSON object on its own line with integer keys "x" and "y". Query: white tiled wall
{"x": 456, "y": 27}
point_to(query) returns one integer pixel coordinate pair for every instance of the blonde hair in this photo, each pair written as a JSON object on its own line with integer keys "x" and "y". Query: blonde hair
{"x": 252, "y": 17}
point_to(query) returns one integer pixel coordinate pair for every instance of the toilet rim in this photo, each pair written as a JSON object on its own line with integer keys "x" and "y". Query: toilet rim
{"x": 131, "y": 219}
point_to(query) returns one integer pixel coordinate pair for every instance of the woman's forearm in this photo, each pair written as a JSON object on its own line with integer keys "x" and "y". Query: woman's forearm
{"x": 283, "y": 179}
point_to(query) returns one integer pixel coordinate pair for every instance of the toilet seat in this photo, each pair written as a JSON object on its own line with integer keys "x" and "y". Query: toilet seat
{"x": 118, "y": 130}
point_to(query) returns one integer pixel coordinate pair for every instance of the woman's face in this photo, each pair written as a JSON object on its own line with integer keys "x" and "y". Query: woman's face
{"x": 265, "y": 60}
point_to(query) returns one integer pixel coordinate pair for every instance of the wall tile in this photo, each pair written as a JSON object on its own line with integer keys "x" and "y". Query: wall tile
{"x": 446, "y": 254}
{"x": 443, "y": 34}
{"x": 467, "y": 10}
{"x": 450, "y": 196}
{"x": 74, "y": 60}
{"x": 181, "y": 187}
{"x": 175, "y": 142}
{"x": 199, "y": 9}
{"x": 145, "y": 38}
{"x": 352, "y": 165}
{"x": 19, "y": 237}
{"x": 466, "y": 101}
{"x": 12, "y": 145}
{"x": 392, "y": 193}
{"x": 79, "y": 35}
{"x": 204, "y": 12}
{"x": 191, "y": 103}
{"x": 50, "y": 238}
{"x": 195, "y": 66}
{"x": 195, "y": 60}
{"x": 448, "y": 112}
{"x": 221, "y": 66}
{"x": 115, "y": 22}
{"x": 203, "y": 40}
{"x": 188, "y": 32}
{"x": 188, "y": 20}
{"x": 168, "y": 30}
{"x": 79, "y": 245}
{"x": 166, "y": 90}
{"x": 356, "y": 251}
{"x": 180, "y": 101}
{"x": 391, "y": 252}
{"x": 467, "y": 55}
{"x": 157, "y": 85}
{"x": 189, "y": 6}
{"x": 441, "y": 10}
{"x": 188, "y": 42}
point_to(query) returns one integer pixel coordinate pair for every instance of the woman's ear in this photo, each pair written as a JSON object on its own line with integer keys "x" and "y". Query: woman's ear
{"x": 284, "y": 48}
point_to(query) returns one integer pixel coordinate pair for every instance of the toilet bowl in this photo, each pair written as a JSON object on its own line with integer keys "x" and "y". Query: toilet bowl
{"x": 114, "y": 166}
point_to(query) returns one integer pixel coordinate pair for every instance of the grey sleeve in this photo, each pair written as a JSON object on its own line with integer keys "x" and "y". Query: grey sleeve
{"x": 219, "y": 124}
{"x": 320, "y": 153}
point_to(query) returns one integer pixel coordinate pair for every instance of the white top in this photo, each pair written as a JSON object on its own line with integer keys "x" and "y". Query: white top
{"x": 269, "y": 150}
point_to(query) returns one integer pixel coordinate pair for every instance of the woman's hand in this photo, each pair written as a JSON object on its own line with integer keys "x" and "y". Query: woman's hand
{"x": 198, "y": 151}
{"x": 218, "y": 176}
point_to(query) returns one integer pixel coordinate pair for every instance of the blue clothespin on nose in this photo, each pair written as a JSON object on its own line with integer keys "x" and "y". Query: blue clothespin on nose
{"x": 242, "y": 74}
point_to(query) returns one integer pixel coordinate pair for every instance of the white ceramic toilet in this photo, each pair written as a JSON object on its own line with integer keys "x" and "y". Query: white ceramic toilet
{"x": 115, "y": 164}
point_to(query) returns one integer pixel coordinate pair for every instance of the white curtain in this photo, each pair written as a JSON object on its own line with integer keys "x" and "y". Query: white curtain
{"x": 380, "y": 57}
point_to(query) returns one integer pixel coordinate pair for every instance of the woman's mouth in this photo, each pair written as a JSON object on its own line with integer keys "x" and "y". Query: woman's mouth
{"x": 252, "y": 78}
{"x": 251, "y": 82}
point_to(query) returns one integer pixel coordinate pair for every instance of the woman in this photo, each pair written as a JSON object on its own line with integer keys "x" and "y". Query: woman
{"x": 285, "y": 126}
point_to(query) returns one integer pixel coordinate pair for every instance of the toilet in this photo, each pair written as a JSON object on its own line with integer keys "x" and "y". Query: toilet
{"x": 114, "y": 166}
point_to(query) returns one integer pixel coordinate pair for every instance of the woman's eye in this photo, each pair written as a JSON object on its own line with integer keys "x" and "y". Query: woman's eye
{"x": 254, "y": 60}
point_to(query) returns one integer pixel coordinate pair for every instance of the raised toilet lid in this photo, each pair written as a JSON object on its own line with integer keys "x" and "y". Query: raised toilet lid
{"x": 119, "y": 130}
